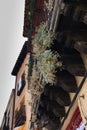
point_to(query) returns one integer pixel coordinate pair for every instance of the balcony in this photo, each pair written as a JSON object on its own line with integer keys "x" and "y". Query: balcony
{"x": 20, "y": 117}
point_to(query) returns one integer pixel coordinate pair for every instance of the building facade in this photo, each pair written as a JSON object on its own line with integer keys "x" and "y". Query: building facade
{"x": 7, "y": 122}
{"x": 22, "y": 108}
{"x": 59, "y": 104}
{"x": 50, "y": 86}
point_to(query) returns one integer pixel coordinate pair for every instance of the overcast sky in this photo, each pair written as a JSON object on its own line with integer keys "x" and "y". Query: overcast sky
{"x": 11, "y": 41}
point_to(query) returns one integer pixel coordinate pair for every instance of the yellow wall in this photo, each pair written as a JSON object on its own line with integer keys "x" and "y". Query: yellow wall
{"x": 25, "y": 95}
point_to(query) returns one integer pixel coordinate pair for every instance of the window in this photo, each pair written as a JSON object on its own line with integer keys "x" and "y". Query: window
{"x": 20, "y": 116}
{"x": 21, "y": 84}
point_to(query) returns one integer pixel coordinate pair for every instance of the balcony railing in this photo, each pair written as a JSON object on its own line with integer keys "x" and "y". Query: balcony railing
{"x": 20, "y": 117}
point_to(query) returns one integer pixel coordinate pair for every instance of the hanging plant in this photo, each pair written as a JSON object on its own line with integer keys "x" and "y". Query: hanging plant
{"x": 43, "y": 39}
{"x": 45, "y": 61}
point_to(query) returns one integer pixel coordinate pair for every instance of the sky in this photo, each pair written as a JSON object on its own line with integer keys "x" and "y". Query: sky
{"x": 11, "y": 42}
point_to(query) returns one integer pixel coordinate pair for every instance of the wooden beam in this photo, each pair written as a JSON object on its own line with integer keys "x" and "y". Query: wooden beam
{"x": 81, "y": 46}
{"x": 70, "y": 43}
{"x": 50, "y": 123}
{"x": 60, "y": 96}
{"x": 76, "y": 2}
{"x": 74, "y": 64}
{"x": 57, "y": 94}
{"x": 68, "y": 10}
{"x": 54, "y": 107}
{"x": 66, "y": 80}
{"x": 47, "y": 118}
{"x": 77, "y": 13}
{"x": 66, "y": 24}
{"x": 85, "y": 18}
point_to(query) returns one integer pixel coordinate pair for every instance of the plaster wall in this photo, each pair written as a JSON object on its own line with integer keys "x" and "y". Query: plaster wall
{"x": 24, "y": 96}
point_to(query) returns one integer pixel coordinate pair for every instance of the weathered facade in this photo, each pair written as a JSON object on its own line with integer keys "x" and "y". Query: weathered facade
{"x": 22, "y": 108}
{"x": 43, "y": 102}
{"x": 34, "y": 15}
{"x": 7, "y": 122}
{"x": 58, "y": 103}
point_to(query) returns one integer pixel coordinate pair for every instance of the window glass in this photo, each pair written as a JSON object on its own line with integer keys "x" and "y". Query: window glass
{"x": 21, "y": 84}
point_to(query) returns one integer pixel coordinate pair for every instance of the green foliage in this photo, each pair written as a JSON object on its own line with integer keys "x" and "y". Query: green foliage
{"x": 30, "y": 65}
{"x": 43, "y": 39}
{"x": 46, "y": 61}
